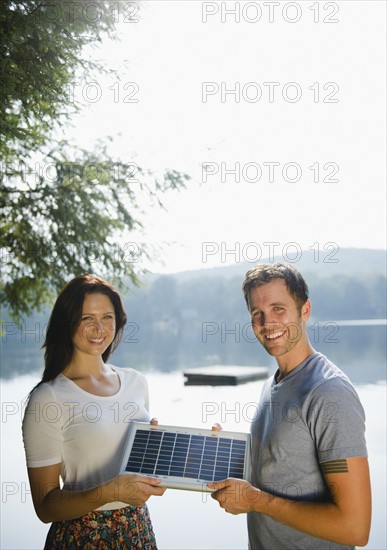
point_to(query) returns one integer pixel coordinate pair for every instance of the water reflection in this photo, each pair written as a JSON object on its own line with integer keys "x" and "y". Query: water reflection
{"x": 360, "y": 351}
{"x": 172, "y": 515}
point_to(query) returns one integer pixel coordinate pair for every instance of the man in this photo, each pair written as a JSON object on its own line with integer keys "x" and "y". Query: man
{"x": 310, "y": 485}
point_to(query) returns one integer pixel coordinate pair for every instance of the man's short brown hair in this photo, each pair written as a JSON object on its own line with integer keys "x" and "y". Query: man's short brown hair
{"x": 264, "y": 273}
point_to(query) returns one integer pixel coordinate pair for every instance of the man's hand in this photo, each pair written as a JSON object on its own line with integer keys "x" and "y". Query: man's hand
{"x": 216, "y": 427}
{"x": 236, "y": 496}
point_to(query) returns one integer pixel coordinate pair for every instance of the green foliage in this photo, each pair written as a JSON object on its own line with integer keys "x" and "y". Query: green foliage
{"x": 67, "y": 224}
{"x": 41, "y": 49}
{"x": 64, "y": 209}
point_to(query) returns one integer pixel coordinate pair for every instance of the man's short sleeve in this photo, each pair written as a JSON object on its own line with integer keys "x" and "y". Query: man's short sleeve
{"x": 337, "y": 421}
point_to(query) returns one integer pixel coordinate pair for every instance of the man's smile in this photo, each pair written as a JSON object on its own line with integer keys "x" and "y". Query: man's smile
{"x": 274, "y": 335}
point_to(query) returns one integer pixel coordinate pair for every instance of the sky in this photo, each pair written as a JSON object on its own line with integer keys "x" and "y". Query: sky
{"x": 276, "y": 110}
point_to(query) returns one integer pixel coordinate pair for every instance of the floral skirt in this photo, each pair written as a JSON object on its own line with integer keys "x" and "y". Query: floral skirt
{"x": 124, "y": 528}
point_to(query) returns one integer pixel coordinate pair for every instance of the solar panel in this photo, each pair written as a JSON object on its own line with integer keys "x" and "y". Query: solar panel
{"x": 186, "y": 458}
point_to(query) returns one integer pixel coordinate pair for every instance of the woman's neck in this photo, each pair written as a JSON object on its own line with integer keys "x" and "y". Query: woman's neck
{"x": 84, "y": 367}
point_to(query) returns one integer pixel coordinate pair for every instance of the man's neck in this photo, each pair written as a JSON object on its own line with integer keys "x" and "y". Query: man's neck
{"x": 291, "y": 360}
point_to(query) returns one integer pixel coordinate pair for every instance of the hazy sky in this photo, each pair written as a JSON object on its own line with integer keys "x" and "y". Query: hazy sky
{"x": 284, "y": 102}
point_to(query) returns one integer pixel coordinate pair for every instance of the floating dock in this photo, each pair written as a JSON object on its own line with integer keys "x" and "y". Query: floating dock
{"x": 223, "y": 375}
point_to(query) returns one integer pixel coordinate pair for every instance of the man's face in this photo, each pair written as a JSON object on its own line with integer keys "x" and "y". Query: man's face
{"x": 276, "y": 320}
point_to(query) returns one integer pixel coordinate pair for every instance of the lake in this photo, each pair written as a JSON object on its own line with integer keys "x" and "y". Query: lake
{"x": 182, "y": 519}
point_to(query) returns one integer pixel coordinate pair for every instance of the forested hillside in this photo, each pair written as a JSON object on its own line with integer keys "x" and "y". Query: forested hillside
{"x": 183, "y": 320}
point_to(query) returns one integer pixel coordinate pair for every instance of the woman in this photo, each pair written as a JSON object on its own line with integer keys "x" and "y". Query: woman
{"x": 76, "y": 423}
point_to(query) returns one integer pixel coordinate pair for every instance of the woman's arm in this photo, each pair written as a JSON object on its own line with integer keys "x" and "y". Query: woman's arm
{"x": 55, "y": 504}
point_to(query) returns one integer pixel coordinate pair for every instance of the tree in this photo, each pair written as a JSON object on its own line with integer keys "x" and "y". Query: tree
{"x": 63, "y": 209}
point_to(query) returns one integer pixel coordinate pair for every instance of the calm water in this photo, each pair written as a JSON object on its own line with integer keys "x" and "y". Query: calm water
{"x": 182, "y": 519}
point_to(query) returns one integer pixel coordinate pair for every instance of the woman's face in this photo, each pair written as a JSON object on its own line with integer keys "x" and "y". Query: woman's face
{"x": 97, "y": 326}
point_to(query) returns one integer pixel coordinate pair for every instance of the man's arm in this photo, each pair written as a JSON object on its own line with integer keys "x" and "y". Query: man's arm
{"x": 345, "y": 520}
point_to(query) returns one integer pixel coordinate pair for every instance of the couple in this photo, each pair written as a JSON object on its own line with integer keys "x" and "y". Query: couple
{"x": 309, "y": 486}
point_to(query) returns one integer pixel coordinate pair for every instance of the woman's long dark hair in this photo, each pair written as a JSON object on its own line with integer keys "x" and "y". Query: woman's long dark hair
{"x": 65, "y": 318}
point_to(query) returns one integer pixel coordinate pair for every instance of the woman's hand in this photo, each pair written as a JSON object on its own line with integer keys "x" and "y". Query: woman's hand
{"x": 134, "y": 489}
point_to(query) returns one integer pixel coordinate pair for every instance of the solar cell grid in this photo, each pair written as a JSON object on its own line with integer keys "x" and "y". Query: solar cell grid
{"x": 192, "y": 457}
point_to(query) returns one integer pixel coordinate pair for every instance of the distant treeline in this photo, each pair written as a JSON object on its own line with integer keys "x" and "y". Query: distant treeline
{"x": 175, "y": 322}
{"x": 169, "y": 301}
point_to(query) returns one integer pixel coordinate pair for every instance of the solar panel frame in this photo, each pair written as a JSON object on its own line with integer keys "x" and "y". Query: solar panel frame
{"x": 186, "y": 458}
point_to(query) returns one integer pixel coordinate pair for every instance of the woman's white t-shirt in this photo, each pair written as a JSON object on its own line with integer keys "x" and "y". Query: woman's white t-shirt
{"x": 84, "y": 432}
